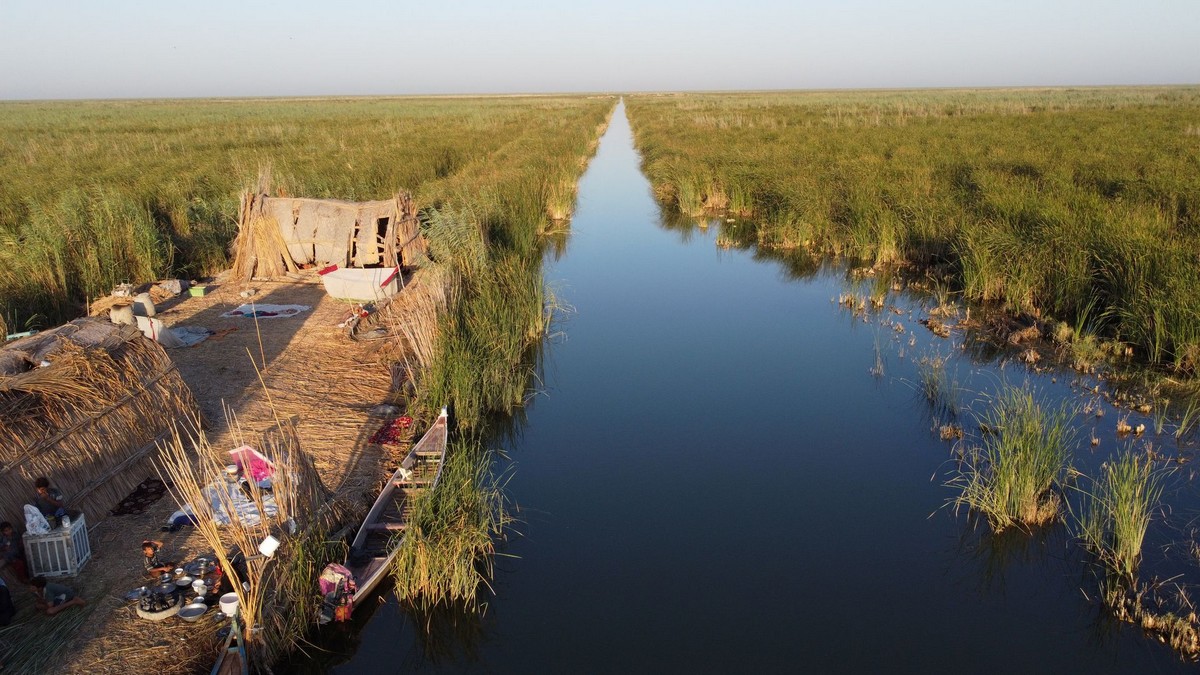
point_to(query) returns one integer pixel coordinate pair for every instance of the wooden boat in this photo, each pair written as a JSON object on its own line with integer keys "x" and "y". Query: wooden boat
{"x": 232, "y": 658}
{"x": 376, "y": 543}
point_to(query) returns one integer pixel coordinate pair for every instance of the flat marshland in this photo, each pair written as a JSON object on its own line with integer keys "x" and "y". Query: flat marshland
{"x": 97, "y": 193}
{"x": 1078, "y": 204}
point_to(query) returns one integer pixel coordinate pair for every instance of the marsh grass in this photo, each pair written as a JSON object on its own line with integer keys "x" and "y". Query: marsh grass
{"x": 1114, "y": 515}
{"x": 1014, "y": 476}
{"x": 100, "y": 192}
{"x": 878, "y": 367}
{"x": 1187, "y": 419}
{"x": 1042, "y": 201}
{"x": 446, "y": 554}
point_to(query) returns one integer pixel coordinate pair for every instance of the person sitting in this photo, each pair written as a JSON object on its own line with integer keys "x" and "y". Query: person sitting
{"x": 154, "y": 566}
{"x": 49, "y": 500}
{"x": 52, "y": 597}
{"x": 12, "y": 551}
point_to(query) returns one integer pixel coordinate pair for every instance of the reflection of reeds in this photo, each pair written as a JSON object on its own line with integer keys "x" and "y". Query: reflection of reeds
{"x": 1114, "y": 516}
{"x": 1010, "y": 478}
{"x": 937, "y": 387}
{"x": 877, "y": 369}
{"x": 447, "y": 547}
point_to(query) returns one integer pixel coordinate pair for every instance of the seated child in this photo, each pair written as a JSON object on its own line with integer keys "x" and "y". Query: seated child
{"x": 49, "y": 500}
{"x": 12, "y": 551}
{"x": 154, "y": 566}
{"x": 52, "y": 597}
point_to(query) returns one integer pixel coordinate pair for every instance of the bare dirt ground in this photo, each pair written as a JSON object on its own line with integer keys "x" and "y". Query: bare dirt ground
{"x": 313, "y": 373}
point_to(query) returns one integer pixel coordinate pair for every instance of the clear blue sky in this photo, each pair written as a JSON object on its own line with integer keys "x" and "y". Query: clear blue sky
{"x": 169, "y": 48}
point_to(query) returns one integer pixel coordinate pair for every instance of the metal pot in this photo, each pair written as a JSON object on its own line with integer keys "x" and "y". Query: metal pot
{"x": 193, "y": 612}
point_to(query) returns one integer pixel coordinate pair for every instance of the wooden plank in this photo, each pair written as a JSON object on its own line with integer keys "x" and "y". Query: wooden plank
{"x": 387, "y": 526}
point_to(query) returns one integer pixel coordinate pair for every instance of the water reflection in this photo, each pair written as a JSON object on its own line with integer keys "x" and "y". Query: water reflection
{"x": 994, "y": 555}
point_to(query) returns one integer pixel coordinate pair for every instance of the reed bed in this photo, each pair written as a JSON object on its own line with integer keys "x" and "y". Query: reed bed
{"x": 1081, "y": 204}
{"x": 445, "y": 557}
{"x": 1014, "y": 476}
{"x": 102, "y": 192}
{"x": 19, "y": 654}
{"x": 1116, "y": 512}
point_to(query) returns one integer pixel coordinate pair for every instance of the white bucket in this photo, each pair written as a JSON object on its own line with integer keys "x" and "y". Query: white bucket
{"x": 229, "y": 604}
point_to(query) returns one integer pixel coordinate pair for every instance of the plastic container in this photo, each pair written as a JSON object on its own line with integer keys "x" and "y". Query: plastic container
{"x": 268, "y": 546}
{"x": 229, "y": 604}
{"x": 197, "y": 291}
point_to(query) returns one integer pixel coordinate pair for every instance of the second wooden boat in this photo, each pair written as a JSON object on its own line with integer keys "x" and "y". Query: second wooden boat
{"x": 377, "y": 542}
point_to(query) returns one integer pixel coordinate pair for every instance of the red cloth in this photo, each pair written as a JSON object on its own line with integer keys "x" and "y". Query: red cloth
{"x": 392, "y": 432}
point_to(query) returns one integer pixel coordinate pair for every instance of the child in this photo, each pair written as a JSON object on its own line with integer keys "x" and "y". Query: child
{"x": 12, "y": 551}
{"x": 49, "y": 500}
{"x": 154, "y": 566}
{"x": 52, "y": 597}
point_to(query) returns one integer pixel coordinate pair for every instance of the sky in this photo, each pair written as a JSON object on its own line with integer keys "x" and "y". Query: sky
{"x": 216, "y": 48}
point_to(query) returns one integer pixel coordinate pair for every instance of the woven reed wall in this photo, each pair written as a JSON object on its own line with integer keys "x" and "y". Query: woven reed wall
{"x": 90, "y": 419}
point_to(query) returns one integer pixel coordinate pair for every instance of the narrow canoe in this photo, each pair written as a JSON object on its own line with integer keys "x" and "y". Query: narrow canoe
{"x": 377, "y": 542}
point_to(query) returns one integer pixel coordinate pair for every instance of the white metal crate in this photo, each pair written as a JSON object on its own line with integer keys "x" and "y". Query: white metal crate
{"x": 60, "y": 553}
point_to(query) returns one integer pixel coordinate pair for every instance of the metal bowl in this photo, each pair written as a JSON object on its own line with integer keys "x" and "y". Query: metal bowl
{"x": 192, "y": 612}
{"x": 184, "y": 581}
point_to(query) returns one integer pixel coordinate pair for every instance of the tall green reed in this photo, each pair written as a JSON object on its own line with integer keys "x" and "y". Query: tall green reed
{"x": 1014, "y": 476}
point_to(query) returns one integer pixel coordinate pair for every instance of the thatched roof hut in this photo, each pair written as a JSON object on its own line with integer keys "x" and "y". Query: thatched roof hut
{"x": 279, "y": 234}
{"x": 83, "y": 405}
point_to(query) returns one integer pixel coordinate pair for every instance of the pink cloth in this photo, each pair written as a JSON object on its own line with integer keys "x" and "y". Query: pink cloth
{"x": 252, "y": 464}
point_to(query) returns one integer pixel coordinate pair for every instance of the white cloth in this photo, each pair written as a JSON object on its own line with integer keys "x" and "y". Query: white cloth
{"x": 244, "y": 508}
{"x": 265, "y": 311}
{"x": 35, "y": 522}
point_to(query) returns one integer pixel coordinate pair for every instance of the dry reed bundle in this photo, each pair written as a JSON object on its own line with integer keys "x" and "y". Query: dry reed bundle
{"x": 414, "y": 320}
{"x": 88, "y": 418}
{"x": 277, "y": 596}
{"x": 259, "y": 249}
{"x": 101, "y": 306}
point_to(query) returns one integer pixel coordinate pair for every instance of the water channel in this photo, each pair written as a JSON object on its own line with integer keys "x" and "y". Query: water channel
{"x": 714, "y": 481}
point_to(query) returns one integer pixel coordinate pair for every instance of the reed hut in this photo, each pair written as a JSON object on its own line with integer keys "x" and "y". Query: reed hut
{"x": 84, "y": 404}
{"x": 277, "y": 235}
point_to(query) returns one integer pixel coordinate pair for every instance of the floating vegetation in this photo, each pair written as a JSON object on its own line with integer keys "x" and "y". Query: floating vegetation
{"x": 1115, "y": 513}
{"x": 1014, "y": 476}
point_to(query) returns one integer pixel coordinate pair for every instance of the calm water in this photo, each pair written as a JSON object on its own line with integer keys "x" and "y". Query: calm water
{"x": 714, "y": 482}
